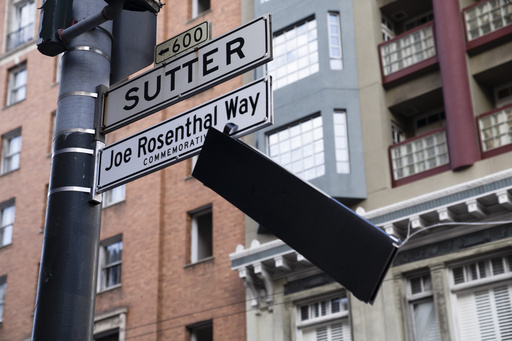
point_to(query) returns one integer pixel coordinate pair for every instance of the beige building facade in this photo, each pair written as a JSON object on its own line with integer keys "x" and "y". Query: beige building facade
{"x": 432, "y": 85}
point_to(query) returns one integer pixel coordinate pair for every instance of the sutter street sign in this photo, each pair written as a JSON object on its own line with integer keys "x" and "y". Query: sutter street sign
{"x": 173, "y": 140}
{"x": 225, "y": 57}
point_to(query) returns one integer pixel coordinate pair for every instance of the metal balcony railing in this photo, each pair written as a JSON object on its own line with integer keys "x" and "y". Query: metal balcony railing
{"x": 495, "y": 129}
{"x": 419, "y": 154}
{"x": 20, "y": 36}
{"x": 486, "y": 17}
{"x": 407, "y": 49}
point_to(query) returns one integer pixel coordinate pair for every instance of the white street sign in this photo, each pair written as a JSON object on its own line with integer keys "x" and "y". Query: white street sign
{"x": 171, "y": 141}
{"x": 182, "y": 42}
{"x": 214, "y": 62}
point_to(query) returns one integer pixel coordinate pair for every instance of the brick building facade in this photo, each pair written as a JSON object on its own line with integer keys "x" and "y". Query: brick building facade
{"x": 164, "y": 271}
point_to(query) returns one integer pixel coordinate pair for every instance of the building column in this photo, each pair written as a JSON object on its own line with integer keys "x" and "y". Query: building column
{"x": 451, "y": 53}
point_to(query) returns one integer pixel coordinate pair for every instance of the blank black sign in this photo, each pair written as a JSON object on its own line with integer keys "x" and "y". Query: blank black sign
{"x": 348, "y": 248}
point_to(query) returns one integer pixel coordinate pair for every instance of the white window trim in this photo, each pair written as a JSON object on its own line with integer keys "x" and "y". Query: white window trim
{"x": 6, "y": 140}
{"x": 195, "y": 9}
{"x": 112, "y": 320}
{"x": 113, "y": 196}
{"x": 102, "y": 285}
{"x": 417, "y": 298}
{"x": 299, "y": 67}
{"x": 10, "y": 86}
{"x": 3, "y": 282}
{"x": 472, "y": 286}
{"x": 333, "y": 59}
{"x": 13, "y": 21}
{"x": 321, "y": 321}
{"x": 285, "y": 147}
{"x": 194, "y": 234}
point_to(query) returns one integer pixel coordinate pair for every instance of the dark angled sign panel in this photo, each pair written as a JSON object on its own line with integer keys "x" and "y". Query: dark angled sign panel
{"x": 348, "y": 248}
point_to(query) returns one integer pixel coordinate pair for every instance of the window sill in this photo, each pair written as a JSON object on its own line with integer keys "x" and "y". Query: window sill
{"x": 109, "y": 289}
{"x": 5, "y": 246}
{"x": 13, "y": 104}
{"x": 202, "y": 14}
{"x": 9, "y": 172}
{"x": 113, "y": 204}
{"x": 201, "y": 261}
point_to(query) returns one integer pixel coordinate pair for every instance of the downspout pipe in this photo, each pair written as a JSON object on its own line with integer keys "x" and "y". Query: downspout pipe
{"x": 109, "y": 12}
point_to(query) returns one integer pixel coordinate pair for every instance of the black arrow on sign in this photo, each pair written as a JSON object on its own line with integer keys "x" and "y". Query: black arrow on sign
{"x": 164, "y": 51}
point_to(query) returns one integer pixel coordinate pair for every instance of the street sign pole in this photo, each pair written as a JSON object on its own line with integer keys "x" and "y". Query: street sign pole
{"x": 66, "y": 292}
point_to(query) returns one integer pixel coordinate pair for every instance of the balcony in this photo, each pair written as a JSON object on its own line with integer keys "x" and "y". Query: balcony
{"x": 495, "y": 129}
{"x": 20, "y": 36}
{"x": 487, "y": 22}
{"x": 408, "y": 53}
{"x": 419, "y": 157}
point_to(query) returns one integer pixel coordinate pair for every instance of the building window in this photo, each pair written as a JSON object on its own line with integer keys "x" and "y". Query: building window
{"x": 199, "y": 7}
{"x": 11, "y": 150}
{"x": 335, "y": 41}
{"x": 201, "y": 234}
{"x": 58, "y": 67}
{"x": 422, "y": 313}
{"x": 110, "y": 326}
{"x": 419, "y": 155}
{"x": 325, "y": 319}
{"x": 300, "y": 148}
{"x": 418, "y": 21}
{"x": 397, "y": 133}
{"x": 3, "y": 285}
{"x": 202, "y": 331}
{"x": 503, "y": 94}
{"x": 407, "y": 50}
{"x": 111, "y": 254}
{"x": 496, "y": 129}
{"x": 21, "y": 28}
{"x": 341, "y": 142}
{"x": 17, "y": 85}
{"x": 487, "y": 17}
{"x": 7, "y": 212}
{"x": 114, "y": 196}
{"x": 483, "y": 291}
{"x": 295, "y": 54}
{"x": 387, "y": 28}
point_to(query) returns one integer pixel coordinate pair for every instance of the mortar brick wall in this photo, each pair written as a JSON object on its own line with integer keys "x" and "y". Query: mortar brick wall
{"x": 161, "y": 292}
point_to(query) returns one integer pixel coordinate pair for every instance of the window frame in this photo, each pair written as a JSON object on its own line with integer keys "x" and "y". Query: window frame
{"x": 13, "y": 88}
{"x": 197, "y": 253}
{"x": 490, "y": 282}
{"x": 196, "y": 10}
{"x": 114, "y": 196}
{"x": 503, "y": 101}
{"x": 192, "y": 329}
{"x": 324, "y": 320}
{"x": 281, "y": 74}
{"x": 317, "y": 144}
{"x": 4, "y": 206}
{"x": 104, "y": 267}
{"x": 334, "y": 60}
{"x": 7, "y": 155}
{"x": 341, "y": 141}
{"x": 426, "y": 295}
{"x": 3, "y": 289}
{"x": 16, "y": 22}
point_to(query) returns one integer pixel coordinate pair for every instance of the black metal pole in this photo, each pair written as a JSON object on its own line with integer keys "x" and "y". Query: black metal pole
{"x": 66, "y": 291}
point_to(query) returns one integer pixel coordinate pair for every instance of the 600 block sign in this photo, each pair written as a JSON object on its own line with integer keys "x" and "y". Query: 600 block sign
{"x": 182, "y": 42}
